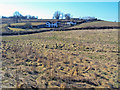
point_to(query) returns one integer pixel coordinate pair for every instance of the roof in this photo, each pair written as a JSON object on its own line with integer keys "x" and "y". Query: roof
{"x": 52, "y": 21}
{"x": 74, "y": 18}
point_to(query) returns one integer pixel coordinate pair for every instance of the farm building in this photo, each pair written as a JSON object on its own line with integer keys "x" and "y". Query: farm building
{"x": 75, "y": 19}
{"x": 52, "y": 24}
{"x": 89, "y": 19}
{"x": 71, "y": 23}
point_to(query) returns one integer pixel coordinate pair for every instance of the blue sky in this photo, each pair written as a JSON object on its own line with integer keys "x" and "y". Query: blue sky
{"x": 103, "y": 10}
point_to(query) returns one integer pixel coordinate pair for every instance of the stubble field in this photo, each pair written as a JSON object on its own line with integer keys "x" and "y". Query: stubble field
{"x": 61, "y": 59}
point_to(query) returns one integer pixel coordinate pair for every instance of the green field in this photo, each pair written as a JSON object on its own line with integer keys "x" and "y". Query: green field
{"x": 74, "y": 59}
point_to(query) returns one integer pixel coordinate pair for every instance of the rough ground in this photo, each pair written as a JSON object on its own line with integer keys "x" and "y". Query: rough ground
{"x": 74, "y": 59}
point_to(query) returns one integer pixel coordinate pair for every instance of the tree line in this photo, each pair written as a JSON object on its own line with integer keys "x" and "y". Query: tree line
{"x": 57, "y": 15}
{"x": 16, "y": 14}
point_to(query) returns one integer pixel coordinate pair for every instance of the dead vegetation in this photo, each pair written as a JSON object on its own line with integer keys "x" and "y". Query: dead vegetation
{"x": 73, "y": 59}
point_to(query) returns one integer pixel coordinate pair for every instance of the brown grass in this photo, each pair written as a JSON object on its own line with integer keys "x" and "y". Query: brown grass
{"x": 96, "y": 24}
{"x": 72, "y": 59}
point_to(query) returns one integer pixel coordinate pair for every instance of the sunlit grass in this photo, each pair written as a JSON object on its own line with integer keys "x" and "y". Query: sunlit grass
{"x": 96, "y": 24}
{"x": 37, "y": 23}
{"x": 16, "y": 29}
{"x": 18, "y": 24}
{"x": 32, "y": 23}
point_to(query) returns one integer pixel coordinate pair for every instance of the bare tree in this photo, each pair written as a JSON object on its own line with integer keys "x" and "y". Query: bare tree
{"x": 17, "y": 16}
{"x": 57, "y": 15}
{"x": 67, "y": 16}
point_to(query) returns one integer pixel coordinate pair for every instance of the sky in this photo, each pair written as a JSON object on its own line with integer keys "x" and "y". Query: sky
{"x": 105, "y": 10}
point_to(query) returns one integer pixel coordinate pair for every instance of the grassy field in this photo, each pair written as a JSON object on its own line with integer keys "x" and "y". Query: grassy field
{"x": 74, "y": 59}
{"x": 18, "y": 24}
{"x": 19, "y": 29}
{"x": 22, "y": 24}
{"x": 88, "y": 24}
{"x": 96, "y": 24}
{"x": 3, "y": 27}
{"x": 16, "y": 29}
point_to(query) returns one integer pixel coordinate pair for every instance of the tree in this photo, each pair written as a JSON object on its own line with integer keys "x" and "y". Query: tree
{"x": 28, "y": 25}
{"x": 67, "y": 16}
{"x": 36, "y": 17}
{"x": 28, "y": 16}
{"x": 57, "y": 15}
{"x": 17, "y": 16}
{"x": 62, "y": 15}
{"x": 31, "y": 17}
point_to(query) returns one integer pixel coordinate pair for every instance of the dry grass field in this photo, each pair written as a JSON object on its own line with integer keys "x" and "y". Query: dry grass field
{"x": 19, "y": 29}
{"x": 96, "y": 24}
{"x": 61, "y": 59}
{"x": 5, "y": 26}
{"x": 32, "y": 23}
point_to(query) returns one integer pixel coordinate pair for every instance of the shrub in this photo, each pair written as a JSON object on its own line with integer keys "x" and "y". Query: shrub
{"x": 28, "y": 25}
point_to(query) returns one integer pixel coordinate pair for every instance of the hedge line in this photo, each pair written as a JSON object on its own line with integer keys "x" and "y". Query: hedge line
{"x": 31, "y": 32}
